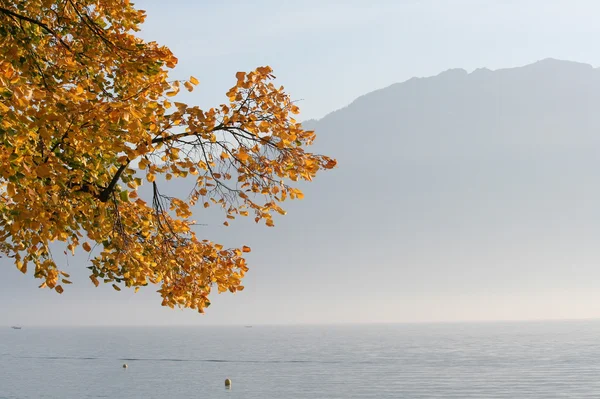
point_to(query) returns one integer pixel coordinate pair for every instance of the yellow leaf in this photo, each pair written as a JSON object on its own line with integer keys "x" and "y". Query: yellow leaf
{"x": 193, "y": 80}
{"x": 86, "y": 246}
{"x": 242, "y": 155}
{"x": 21, "y": 266}
{"x": 143, "y": 163}
{"x": 171, "y": 93}
{"x": 39, "y": 95}
{"x": 116, "y": 287}
{"x": 188, "y": 86}
{"x": 59, "y": 289}
{"x": 279, "y": 210}
{"x": 43, "y": 170}
{"x": 246, "y": 249}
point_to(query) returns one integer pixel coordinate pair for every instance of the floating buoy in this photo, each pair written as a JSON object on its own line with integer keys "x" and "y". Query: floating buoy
{"x": 125, "y": 365}
{"x": 228, "y": 383}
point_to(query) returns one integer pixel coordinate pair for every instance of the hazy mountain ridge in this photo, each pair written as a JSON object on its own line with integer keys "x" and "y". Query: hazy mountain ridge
{"x": 481, "y": 114}
{"x": 495, "y": 170}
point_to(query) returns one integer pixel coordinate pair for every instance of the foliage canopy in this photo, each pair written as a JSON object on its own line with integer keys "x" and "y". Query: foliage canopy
{"x": 87, "y": 114}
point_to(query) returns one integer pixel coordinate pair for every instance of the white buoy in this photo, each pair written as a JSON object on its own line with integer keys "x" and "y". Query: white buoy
{"x": 227, "y": 383}
{"x": 125, "y": 365}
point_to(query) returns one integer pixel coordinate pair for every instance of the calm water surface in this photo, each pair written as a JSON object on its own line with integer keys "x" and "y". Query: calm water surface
{"x": 492, "y": 360}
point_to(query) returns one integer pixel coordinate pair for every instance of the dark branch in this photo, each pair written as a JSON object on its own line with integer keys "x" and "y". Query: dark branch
{"x": 105, "y": 194}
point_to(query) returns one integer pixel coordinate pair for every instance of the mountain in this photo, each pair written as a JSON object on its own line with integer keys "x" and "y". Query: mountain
{"x": 466, "y": 184}
{"x": 459, "y": 115}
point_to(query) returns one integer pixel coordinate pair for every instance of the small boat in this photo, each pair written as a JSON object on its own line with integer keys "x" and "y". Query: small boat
{"x": 16, "y": 327}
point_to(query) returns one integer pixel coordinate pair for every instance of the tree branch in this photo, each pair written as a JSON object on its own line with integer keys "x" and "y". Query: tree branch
{"x": 105, "y": 194}
{"x": 36, "y": 22}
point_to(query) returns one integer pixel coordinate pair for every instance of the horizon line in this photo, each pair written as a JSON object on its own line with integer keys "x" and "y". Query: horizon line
{"x": 310, "y": 324}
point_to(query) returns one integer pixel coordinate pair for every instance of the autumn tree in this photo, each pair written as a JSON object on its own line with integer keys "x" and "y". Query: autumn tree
{"x": 88, "y": 114}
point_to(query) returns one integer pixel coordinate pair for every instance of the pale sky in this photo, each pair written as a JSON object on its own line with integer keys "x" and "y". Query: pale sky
{"x": 327, "y": 53}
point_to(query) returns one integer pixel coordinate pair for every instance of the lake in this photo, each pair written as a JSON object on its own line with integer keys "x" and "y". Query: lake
{"x": 458, "y": 360}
